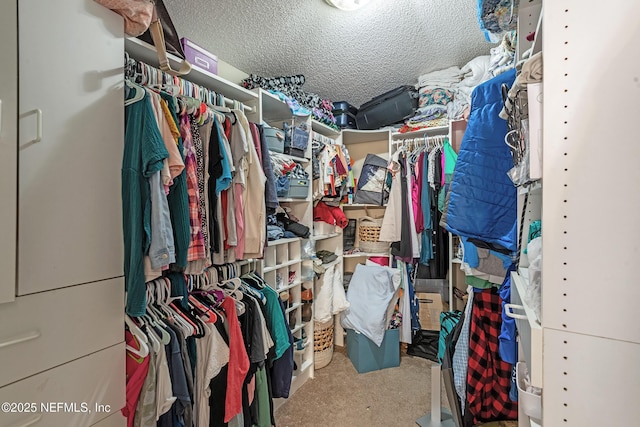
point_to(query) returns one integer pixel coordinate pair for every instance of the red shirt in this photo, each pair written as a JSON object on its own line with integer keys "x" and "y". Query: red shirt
{"x": 238, "y": 362}
{"x": 137, "y": 368}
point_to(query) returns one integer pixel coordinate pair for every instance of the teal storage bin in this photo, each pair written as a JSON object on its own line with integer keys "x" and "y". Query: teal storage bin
{"x": 366, "y": 356}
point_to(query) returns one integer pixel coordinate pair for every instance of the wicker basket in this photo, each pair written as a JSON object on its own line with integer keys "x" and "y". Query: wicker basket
{"x": 322, "y": 343}
{"x": 368, "y": 235}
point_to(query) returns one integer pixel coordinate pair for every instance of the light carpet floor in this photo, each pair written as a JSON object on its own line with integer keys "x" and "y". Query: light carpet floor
{"x": 340, "y": 397}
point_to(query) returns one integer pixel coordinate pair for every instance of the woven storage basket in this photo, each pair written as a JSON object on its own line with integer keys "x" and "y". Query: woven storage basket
{"x": 322, "y": 343}
{"x": 369, "y": 233}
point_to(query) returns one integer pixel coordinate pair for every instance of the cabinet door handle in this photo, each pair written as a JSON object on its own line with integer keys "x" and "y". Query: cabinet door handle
{"x": 38, "y": 113}
{"x": 21, "y": 338}
{"x": 510, "y": 313}
{"x": 0, "y": 117}
{"x": 31, "y": 421}
{"x": 38, "y": 125}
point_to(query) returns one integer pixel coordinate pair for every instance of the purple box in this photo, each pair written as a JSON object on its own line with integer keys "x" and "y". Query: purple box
{"x": 199, "y": 57}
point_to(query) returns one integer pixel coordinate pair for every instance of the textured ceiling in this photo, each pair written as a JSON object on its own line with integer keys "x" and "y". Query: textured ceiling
{"x": 352, "y": 56}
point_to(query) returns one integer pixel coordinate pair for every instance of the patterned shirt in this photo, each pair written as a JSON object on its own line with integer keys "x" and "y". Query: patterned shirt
{"x": 199, "y": 147}
{"x": 196, "y": 245}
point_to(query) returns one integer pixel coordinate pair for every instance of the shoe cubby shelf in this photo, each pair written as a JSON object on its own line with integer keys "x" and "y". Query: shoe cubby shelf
{"x": 282, "y": 241}
{"x": 279, "y": 266}
{"x": 306, "y": 365}
{"x": 282, "y": 269}
{"x": 290, "y": 286}
{"x": 295, "y": 306}
{"x": 297, "y": 328}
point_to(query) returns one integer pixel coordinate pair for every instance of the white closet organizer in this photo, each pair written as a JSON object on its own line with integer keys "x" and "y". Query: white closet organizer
{"x": 282, "y": 269}
{"x": 454, "y": 131}
{"x": 327, "y": 237}
{"x": 591, "y": 341}
{"x": 63, "y": 312}
{"x": 282, "y": 256}
{"x": 360, "y": 143}
{"x": 282, "y": 266}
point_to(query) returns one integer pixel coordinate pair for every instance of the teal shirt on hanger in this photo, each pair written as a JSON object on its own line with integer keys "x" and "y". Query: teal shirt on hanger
{"x": 144, "y": 152}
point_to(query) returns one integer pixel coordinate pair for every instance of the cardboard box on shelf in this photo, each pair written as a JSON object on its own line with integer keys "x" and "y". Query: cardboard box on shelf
{"x": 430, "y": 309}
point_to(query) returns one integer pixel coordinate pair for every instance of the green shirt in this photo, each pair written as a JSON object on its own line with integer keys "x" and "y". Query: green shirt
{"x": 480, "y": 283}
{"x": 144, "y": 152}
{"x": 275, "y": 322}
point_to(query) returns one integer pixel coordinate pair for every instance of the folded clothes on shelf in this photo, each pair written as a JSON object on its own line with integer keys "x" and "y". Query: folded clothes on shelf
{"x": 326, "y": 256}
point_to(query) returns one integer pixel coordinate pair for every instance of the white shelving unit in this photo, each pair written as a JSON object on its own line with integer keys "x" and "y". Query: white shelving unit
{"x": 282, "y": 270}
{"x": 325, "y": 130}
{"x": 284, "y": 256}
{"x": 360, "y": 143}
{"x": 145, "y": 52}
{"x": 529, "y": 20}
{"x": 455, "y": 129}
{"x": 591, "y": 343}
{"x": 326, "y": 236}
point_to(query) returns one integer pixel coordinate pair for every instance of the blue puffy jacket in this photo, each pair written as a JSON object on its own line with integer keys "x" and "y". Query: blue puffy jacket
{"x": 483, "y": 200}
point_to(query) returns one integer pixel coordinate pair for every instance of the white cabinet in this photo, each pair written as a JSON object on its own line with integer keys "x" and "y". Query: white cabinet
{"x": 8, "y": 148}
{"x": 62, "y": 292}
{"x": 63, "y": 324}
{"x": 70, "y": 144}
{"x": 87, "y": 386}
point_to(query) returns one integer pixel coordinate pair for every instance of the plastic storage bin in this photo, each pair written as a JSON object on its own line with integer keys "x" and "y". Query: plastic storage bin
{"x": 345, "y": 115}
{"x": 530, "y": 403}
{"x": 275, "y": 139}
{"x": 298, "y": 188}
{"x": 199, "y": 57}
{"x": 366, "y": 356}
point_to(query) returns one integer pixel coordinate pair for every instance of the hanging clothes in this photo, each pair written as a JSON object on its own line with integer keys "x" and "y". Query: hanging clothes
{"x": 270, "y": 194}
{"x": 144, "y": 153}
{"x": 403, "y": 249}
{"x": 488, "y": 376}
{"x": 178, "y": 198}
{"x": 391, "y": 228}
{"x": 481, "y": 192}
{"x": 137, "y": 368}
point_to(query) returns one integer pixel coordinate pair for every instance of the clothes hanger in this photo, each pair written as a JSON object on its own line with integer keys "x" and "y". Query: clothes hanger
{"x": 138, "y": 95}
{"x": 157, "y": 321}
{"x": 206, "y": 311}
{"x": 135, "y": 330}
{"x": 193, "y": 320}
{"x": 187, "y": 325}
{"x": 154, "y": 339}
{"x": 189, "y": 328}
{"x": 143, "y": 351}
{"x": 162, "y": 304}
